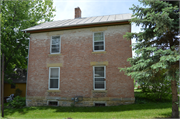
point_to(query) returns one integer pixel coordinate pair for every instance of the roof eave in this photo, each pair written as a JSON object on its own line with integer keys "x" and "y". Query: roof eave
{"x": 75, "y": 26}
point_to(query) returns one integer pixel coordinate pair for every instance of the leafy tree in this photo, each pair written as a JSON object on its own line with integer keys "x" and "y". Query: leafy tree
{"x": 157, "y": 45}
{"x": 17, "y": 15}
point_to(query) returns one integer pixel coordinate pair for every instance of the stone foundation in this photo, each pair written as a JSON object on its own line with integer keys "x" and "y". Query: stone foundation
{"x": 63, "y": 101}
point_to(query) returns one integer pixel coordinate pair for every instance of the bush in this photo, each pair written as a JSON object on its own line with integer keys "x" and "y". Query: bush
{"x": 157, "y": 91}
{"x": 17, "y": 102}
{"x": 18, "y": 92}
{"x": 157, "y": 88}
{"x": 140, "y": 98}
{"x": 72, "y": 104}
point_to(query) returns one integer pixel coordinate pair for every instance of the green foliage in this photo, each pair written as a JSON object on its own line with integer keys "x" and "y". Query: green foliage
{"x": 157, "y": 91}
{"x": 157, "y": 88}
{"x": 145, "y": 111}
{"x": 17, "y": 15}
{"x": 142, "y": 97}
{"x": 72, "y": 104}
{"x": 18, "y": 92}
{"x": 157, "y": 45}
{"x": 17, "y": 102}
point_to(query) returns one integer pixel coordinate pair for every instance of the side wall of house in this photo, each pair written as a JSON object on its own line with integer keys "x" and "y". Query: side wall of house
{"x": 76, "y": 67}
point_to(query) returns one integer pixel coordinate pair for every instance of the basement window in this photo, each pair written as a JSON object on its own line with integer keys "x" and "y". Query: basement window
{"x": 52, "y": 103}
{"x": 100, "y": 104}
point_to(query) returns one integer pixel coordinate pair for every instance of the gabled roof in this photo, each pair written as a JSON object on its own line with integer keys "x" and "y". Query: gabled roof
{"x": 81, "y": 22}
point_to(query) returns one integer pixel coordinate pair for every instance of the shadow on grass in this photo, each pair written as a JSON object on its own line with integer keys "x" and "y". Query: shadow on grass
{"x": 141, "y": 98}
{"x": 120, "y": 108}
{"x": 141, "y": 103}
{"x": 166, "y": 115}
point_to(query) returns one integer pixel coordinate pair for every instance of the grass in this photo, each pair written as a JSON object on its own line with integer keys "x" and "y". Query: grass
{"x": 139, "y": 109}
{"x": 148, "y": 110}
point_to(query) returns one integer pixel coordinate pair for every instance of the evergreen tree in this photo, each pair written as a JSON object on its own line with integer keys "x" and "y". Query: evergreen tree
{"x": 157, "y": 45}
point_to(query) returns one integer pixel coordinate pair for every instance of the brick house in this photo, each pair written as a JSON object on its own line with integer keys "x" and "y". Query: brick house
{"x": 76, "y": 61}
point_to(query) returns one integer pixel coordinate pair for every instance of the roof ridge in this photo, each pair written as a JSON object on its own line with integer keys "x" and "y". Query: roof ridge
{"x": 92, "y": 16}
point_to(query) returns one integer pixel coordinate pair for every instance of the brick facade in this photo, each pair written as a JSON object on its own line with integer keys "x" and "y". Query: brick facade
{"x": 76, "y": 62}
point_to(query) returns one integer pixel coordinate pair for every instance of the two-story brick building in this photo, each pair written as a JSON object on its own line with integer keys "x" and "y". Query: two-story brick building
{"x": 77, "y": 60}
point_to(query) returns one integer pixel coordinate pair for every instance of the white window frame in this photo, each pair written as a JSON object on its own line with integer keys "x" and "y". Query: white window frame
{"x": 59, "y": 46}
{"x": 101, "y": 77}
{"x": 98, "y": 41}
{"x": 50, "y": 79}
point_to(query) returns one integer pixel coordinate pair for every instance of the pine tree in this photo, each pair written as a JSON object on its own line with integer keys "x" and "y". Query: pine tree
{"x": 157, "y": 45}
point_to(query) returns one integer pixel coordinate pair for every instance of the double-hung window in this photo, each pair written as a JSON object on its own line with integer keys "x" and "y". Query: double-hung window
{"x": 55, "y": 45}
{"x": 54, "y": 78}
{"x": 99, "y": 42}
{"x": 99, "y": 76}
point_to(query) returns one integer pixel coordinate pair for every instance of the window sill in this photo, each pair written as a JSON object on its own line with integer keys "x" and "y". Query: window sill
{"x": 54, "y": 54}
{"x": 99, "y": 52}
{"x": 99, "y": 91}
{"x": 54, "y": 91}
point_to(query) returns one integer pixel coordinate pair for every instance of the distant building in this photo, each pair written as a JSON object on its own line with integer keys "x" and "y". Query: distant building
{"x": 18, "y": 82}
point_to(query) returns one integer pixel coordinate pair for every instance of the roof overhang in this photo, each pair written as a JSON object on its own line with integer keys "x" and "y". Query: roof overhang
{"x": 78, "y": 26}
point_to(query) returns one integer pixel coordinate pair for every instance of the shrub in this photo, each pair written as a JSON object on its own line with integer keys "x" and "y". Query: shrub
{"x": 18, "y": 92}
{"x": 72, "y": 104}
{"x": 157, "y": 88}
{"x": 17, "y": 102}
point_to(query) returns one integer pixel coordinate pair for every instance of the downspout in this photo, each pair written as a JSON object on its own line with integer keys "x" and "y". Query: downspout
{"x": 27, "y": 70}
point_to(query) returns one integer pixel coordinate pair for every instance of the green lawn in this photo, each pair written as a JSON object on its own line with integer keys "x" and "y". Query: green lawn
{"x": 141, "y": 109}
{"x": 148, "y": 110}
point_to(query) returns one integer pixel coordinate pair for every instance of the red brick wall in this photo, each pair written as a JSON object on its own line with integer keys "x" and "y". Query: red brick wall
{"x": 76, "y": 74}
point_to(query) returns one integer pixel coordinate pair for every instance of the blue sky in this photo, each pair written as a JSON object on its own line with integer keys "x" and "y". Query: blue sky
{"x": 89, "y": 8}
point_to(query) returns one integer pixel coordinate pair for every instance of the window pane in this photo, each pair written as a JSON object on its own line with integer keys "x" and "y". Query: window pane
{"x": 54, "y": 73}
{"x": 99, "y": 71}
{"x": 99, "y": 84}
{"x": 55, "y": 49}
{"x": 98, "y": 43}
{"x": 55, "y": 40}
{"x": 99, "y": 79}
{"x": 53, "y": 83}
{"x": 55, "y": 46}
{"x": 98, "y": 37}
{"x": 99, "y": 74}
{"x": 99, "y": 47}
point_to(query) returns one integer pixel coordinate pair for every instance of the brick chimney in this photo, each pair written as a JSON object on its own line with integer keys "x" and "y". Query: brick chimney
{"x": 77, "y": 12}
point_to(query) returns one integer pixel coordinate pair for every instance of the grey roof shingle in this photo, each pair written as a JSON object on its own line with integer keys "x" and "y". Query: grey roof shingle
{"x": 81, "y": 21}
